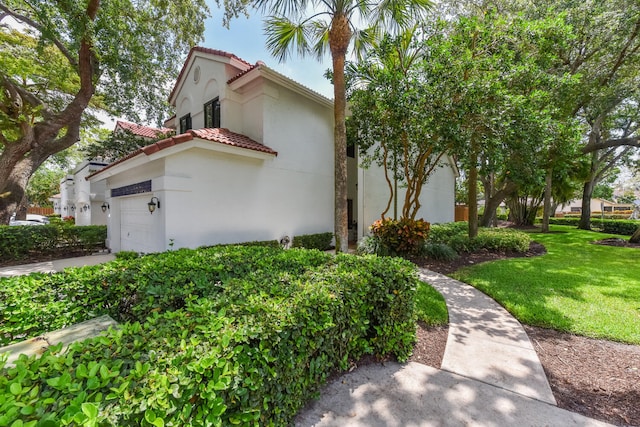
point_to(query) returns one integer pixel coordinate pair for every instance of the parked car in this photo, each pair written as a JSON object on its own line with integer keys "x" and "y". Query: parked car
{"x": 32, "y": 219}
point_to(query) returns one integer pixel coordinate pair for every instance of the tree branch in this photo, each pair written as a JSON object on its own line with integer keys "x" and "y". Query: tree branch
{"x": 615, "y": 142}
{"x": 22, "y": 18}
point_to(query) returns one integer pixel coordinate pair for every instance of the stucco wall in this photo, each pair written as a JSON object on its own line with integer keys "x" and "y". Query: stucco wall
{"x": 437, "y": 198}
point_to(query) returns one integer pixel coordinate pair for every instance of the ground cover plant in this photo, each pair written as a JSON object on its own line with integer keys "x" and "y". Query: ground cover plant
{"x": 577, "y": 287}
{"x": 214, "y": 336}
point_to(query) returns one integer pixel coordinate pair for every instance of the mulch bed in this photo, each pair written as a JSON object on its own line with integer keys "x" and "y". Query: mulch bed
{"x": 614, "y": 241}
{"x": 596, "y": 378}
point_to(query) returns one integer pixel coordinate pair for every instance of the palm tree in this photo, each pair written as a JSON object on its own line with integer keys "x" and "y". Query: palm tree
{"x": 312, "y": 26}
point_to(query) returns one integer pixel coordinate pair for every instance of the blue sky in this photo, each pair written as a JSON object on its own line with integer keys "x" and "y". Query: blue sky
{"x": 245, "y": 38}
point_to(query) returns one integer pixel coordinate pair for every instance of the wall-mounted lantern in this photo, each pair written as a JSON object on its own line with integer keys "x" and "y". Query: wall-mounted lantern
{"x": 86, "y": 208}
{"x": 153, "y": 204}
{"x": 73, "y": 208}
{"x": 105, "y": 206}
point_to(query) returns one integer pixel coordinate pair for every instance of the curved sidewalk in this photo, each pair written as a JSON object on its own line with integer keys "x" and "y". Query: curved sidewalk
{"x": 490, "y": 376}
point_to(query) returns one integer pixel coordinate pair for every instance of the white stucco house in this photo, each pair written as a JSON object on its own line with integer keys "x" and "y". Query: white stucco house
{"x": 253, "y": 159}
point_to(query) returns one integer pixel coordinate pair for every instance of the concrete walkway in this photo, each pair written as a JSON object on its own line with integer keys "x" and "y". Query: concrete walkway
{"x": 490, "y": 376}
{"x": 56, "y": 265}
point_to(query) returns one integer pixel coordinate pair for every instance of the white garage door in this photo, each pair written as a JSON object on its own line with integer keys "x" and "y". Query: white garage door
{"x": 136, "y": 225}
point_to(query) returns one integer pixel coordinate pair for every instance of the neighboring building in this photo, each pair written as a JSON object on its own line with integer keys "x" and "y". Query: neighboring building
{"x": 55, "y": 202}
{"x": 84, "y": 200}
{"x": 597, "y": 205}
{"x": 253, "y": 160}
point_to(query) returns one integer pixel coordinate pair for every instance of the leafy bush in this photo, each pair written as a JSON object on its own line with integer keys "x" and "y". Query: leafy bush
{"x": 622, "y": 227}
{"x": 400, "y": 237}
{"x": 439, "y": 251}
{"x": 19, "y": 242}
{"x": 442, "y": 233}
{"x": 320, "y": 241}
{"x": 257, "y": 331}
{"x": 598, "y": 215}
{"x": 127, "y": 255}
{"x": 499, "y": 239}
{"x": 370, "y": 245}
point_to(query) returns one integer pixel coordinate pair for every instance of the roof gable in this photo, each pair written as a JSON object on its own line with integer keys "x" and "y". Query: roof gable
{"x": 229, "y": 58}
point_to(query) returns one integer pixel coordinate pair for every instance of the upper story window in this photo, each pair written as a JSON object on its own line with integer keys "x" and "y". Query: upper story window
{"x": 351, "y": 150}
{"x": 185, "y": 123}
{"x": 212, "y": 113}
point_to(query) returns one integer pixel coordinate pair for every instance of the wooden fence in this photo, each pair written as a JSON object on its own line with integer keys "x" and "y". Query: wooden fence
{"x": 40, "y": 211}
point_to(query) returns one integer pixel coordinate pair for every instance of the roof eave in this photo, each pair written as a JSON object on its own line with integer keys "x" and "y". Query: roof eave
{"x": 272, "y": 75}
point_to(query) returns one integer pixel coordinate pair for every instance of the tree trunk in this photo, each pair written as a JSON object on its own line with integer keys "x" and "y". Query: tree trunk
{"x": 472, "y": 190}
{"x": 339, "y": 37}
{"x": 635, "y": 238}
{"x": 585, "y": 215}
{"x": 492, "y": 203}
{"x": 40, "y": 139}
{"x": 546, "y": 210}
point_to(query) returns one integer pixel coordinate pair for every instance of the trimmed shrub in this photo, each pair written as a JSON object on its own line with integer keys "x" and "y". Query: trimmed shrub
{"x": 621, "y": 227}
{"x": 442, "y": 233}
{"x": 255, "y": 334}
{"x": 499, "y": 239}
{"x": 400, "y": 237}
{"x": 320, "y": 241}
{"x": 18, "y": 243}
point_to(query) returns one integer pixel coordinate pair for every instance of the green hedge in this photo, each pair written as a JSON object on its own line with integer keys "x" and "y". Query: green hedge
{"x": 595, "y": 216}
{"x": 222, "y": 336}
{"x": 320, "y": 241}
{"x": 622, "y": 227}
{"x": 455, "y": 235}
{"x": 18, "y": 243}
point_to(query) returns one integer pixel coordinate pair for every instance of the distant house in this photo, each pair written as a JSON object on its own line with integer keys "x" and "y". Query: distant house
{"x": 253, "y": 159}
{"x": 596, "y": 205}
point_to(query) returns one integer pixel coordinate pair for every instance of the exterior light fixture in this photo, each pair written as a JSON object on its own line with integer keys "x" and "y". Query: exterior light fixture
{"x": 105, "y": 206}
{"x": 86, "y": 208}
{"x": 153, "y": 204}
{"x": 73, "y": 208}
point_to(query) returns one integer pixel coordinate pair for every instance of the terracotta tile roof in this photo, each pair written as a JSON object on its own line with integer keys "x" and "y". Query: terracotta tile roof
{"x": 242, "y": 73}
{"x": 143, "y": 131}
{"x": 219, "y": 135}
{"x": 225, "y": 136}
{"x": 204, "y": 50}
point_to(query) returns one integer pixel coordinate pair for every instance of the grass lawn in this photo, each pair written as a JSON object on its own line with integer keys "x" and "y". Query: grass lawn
{"x": 577, "y": 287}
{"x": 431, "y": 307}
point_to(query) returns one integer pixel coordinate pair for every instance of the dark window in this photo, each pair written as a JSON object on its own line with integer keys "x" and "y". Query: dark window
{"x": 212, "y": 113}
{"x": 185, "y": 123}
{"x": 351, "y": 150}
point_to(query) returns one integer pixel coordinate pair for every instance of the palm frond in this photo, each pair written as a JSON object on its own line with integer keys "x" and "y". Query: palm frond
{"x": 320, "y": 34}
{"x": 395, "y": 15}
{"x": 364, "y": 40}
{"x": 285, "y": 36}
{"x": 290, "y": 8}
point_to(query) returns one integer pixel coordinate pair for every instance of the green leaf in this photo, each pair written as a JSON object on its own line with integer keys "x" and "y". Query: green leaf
{"x": 15, "y": 389}
{"x": 90, "y": 410}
